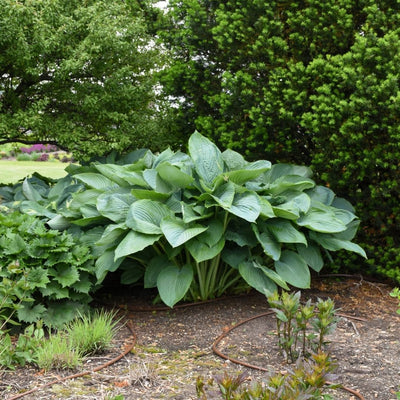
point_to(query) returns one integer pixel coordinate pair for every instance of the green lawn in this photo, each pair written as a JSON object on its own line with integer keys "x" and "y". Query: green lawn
{"x": 12, "y": 171}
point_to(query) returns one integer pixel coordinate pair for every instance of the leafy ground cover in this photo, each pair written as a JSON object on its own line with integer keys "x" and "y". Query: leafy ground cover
{"x": 11, "y": 171}
{"x": 174, "y": 347}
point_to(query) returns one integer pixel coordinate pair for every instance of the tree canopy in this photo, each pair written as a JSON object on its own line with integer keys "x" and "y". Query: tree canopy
{"x": 78, "y": 74}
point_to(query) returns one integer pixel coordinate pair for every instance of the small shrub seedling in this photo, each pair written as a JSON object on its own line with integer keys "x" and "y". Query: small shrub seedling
{"x": 306, "y": 381}
{"x": 302, "y": 329}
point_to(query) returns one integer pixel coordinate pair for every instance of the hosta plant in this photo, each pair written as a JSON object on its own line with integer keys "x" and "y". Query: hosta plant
{"x": 198, "y": 224}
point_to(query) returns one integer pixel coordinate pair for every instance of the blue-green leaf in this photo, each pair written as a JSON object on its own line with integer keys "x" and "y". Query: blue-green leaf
{"x": 293, "y": 269}
{"x": 145, "y": 216}
{"x": 269, "y": 244}
{"x": 322, "y": 218}
{"x": 177, "y": 232}
{"x": 284, "y": 231}
{"x": 311, "y": 255}
{"x": 95, "y": 181}
{"x": 256, "y": 278}
{"x": 246, "y": 206}
{"x": 153, "y": 269}
{"x": 173, "y": 283}
{"x": 201, "y": 251}
{"x": 134, "y": 242}
{"x": 174, "y": 175}
{"x": 207, "y": 158}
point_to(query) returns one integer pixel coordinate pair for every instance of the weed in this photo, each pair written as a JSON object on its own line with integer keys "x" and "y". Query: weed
{"x": 92, "y": 333}
{"x": 301, "y": 329}
{"x": 58, "y": 353}
{"x": 305, "y": 381}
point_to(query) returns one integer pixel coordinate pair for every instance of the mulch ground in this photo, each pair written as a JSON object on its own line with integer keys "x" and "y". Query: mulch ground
{"x": 174, "y": 347}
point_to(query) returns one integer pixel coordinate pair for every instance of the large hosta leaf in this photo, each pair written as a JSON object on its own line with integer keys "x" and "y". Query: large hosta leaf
{"x": 293, "y": 269}
{"x": 145, "y": 216}
{"x": 207, "y": 158}
{"x": 174, "y": 175}
{"x": 290, "y": 182}
{"x": 272, "y": 275}
{"x": 173, "y": 283}
{"x": 256, "y": 278}
{"x": 95, "y": 181}
{"x": 246, "y": 206}
{"x": 114, "y": 206}
{"x": 30, "y": 192}
{"x": 201, "y": 251}
{"x": 269, "y": 244}
{"x": 224, "y": 194}
{"x": 34, "y": 208}
{"x": 134, "y": 242}
{"x": 323, "y": 219}
{"x": 311, "y": 255}
{"x": 330, "y": 242}
{"x": 106, "y": 263}
{"x": 177, "y": 232}
{"x": 284, "y": 231}
{"x": 153, "y": 269}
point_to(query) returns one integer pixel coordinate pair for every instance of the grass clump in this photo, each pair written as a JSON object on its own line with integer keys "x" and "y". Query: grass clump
{"x": 58, "y": 353}
{"x": 93, "y": 333}
{"x": 86, "y": 335}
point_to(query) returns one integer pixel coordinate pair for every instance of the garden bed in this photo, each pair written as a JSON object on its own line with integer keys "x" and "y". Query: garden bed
{"x": 174, "y": 347}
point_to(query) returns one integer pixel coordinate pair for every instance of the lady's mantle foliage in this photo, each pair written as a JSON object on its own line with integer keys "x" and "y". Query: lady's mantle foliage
{"x": 50, "y": 272}
{"x": 194, "y": 224}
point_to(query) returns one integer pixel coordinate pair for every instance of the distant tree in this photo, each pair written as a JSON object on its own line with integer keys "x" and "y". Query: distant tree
{"x": 78, "y": 74}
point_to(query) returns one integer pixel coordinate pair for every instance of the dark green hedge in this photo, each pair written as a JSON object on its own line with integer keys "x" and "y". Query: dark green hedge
{"x": 306, "y": 82}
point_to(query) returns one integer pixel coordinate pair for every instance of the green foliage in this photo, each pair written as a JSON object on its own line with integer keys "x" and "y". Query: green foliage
{"x": 86, "y": 335}
{"x": 196, "y": 224}
{"x": 396, "y": 293}
{"x": 45, "y": 274}
{"x": 306, "y": 381}
{"x": 57, "y": 353}
{"x": 24, "y": 350}
{"x": 301, "y": 329}
{"x": 315, "y": 83}
{"x": 79, "y": 74}
{"x": 92, "y": 333}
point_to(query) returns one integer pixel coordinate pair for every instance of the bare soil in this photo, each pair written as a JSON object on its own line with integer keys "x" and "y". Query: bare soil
{"x": 174, "y": 347}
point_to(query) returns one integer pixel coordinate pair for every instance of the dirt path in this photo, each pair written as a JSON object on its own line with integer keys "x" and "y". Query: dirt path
{"x": 174, "y": 347}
